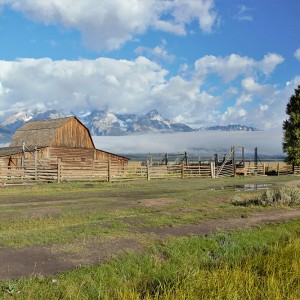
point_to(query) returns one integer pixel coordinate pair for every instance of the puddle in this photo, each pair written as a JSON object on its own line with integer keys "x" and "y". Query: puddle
{"x": 244, "y": 187}
{"x": 253, "y": 187}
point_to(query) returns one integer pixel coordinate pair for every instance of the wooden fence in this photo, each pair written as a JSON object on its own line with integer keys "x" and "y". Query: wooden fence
{"x": 110, "y": 171}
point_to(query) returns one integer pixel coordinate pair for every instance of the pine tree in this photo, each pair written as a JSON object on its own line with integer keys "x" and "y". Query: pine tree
{"x": 291, "y": 130}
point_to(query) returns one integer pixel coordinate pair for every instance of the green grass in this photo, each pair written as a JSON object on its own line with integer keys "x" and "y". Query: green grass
{"x": 69, "y": 212}
{"x": 261, "y": 263}
{"x": 232, "y": 265}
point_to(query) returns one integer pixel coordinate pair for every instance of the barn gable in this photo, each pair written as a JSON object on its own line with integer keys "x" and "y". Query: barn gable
{"x": 48, "y": 142}
{"x": 65, "y": 132}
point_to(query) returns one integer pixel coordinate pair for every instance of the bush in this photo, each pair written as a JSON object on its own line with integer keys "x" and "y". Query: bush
{"x": 287, "y": 195}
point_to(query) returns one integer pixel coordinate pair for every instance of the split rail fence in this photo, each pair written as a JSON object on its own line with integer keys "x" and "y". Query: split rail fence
{"x": 112, "y": 172}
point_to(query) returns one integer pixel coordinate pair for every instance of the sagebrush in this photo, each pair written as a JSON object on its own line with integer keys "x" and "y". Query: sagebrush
{"x": 287, "y": 195}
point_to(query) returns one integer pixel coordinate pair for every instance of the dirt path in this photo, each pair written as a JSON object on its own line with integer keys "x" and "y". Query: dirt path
{"x": 44, "y": 260}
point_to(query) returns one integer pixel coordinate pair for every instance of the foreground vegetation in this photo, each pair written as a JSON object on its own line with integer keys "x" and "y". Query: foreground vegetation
{"x": 284, "y": 196}
{"x": 74, "y": 212}
{"x": 261, "y": 263}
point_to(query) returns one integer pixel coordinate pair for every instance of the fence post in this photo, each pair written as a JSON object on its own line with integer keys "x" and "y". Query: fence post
{"x": 35, "y": 164}
{"x": 109, "y": 170}
{"x": 212, "y": 170}
{"x": 278, "y": 167}
{"x": 264, "y": 169}
{"x": 148, "y": 171}
{"x": 233, "y": 162}
{"x": 182, "y": 170}
{"x": 58, "y": 170}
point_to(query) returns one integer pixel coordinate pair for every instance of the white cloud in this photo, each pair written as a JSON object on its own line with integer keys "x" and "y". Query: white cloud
{"x": 267, "y": 109}
{"x": 140, "y": 85}
{"x": 76, "y": 85}
{"x": 250, "y": 85}
{"x": 244, "y": 13}
{"x": 157, "y": 53}
{"x": 244, "y": 98}
{"x": 228, "y": 67}
{"x": 270, "y": 62}
{"x": 109, "y": 24}
{"x": 3, "y": 90}
{"x": 180, "y": 97}
{"x": 234, "y": 115}
{"x": 297, "y": 54}
{"x": 264, "y": 107}
{"x": 120, "y": 85}
{"x": 234, "y": 65}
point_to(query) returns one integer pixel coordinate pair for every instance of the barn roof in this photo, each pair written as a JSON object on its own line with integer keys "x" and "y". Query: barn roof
{"x": 8, "y": 151}
{"x": 38, "y": 133}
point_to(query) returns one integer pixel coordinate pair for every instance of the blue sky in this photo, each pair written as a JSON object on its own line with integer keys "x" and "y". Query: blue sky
{"x": 200, "y": 62}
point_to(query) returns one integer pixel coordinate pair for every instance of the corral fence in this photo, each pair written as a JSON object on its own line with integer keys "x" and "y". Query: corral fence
{"x": 104, "y": 170}
{"x": 107, "y": 170}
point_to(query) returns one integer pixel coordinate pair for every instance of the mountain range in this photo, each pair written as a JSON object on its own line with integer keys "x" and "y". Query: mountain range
{"x": 106, "y": 123}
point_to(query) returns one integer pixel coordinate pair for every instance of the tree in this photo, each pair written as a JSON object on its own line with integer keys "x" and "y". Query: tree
{"x": 291, "y": 130}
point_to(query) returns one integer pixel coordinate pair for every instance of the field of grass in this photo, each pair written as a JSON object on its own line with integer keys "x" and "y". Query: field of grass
{"x": 259, "y": 263}
{"x": 251, "y": 264}
{"x": 72, "y": 212}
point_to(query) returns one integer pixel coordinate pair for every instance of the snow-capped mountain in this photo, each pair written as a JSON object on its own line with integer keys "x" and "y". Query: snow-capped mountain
{"x": 51, "y": 114}
{"x": 14, "y": 122}
{"x": 105, "y": 123}
{"x": 233, "y": 127}
{"x": 108, "y": 123}
{"x": 154, "y": 122}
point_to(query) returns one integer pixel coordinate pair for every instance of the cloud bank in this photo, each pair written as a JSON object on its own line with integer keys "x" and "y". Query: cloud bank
{"x": 136, "y": 86}
{"x": 198, "y": 143}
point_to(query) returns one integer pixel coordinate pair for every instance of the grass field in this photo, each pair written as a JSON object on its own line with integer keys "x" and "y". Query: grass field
{"x": 72, "y": 219}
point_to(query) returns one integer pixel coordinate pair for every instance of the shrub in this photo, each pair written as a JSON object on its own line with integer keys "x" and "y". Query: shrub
{"x": 287, "y": 195}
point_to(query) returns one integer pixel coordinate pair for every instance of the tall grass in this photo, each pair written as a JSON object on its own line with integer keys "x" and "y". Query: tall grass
{"x": 261, "y": 263}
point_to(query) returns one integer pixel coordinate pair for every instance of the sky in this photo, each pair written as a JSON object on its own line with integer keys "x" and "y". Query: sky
{"x": 199, "y": 62}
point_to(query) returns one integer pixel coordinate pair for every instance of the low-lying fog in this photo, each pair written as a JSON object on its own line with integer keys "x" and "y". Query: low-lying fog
{"x": 200, "y": 142}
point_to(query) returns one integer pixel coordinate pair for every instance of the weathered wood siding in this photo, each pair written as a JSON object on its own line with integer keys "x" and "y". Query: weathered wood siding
{"x": 50, "y": 156}
{"x": 72, "y": 135}
{"x": 3, "y": 161}
{"x": 29, "y": 158}
{"x": 71, "y": 155}
{"x": 102, "y": 155}
{"x": 65, "y": 139}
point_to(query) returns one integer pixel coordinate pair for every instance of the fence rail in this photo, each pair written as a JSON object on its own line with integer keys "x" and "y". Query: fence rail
{"x": 110, "y": 171}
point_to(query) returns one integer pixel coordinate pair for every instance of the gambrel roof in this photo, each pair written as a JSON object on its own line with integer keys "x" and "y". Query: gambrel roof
{"x": 40, "y": 133}
{"x": 64, "y": 132}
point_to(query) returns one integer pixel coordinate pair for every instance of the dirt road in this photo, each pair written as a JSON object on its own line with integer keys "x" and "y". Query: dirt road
{"x": 48, "y": 260}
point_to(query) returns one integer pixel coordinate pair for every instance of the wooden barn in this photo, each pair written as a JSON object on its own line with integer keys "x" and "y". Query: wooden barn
{"x": 48, "y": 141}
